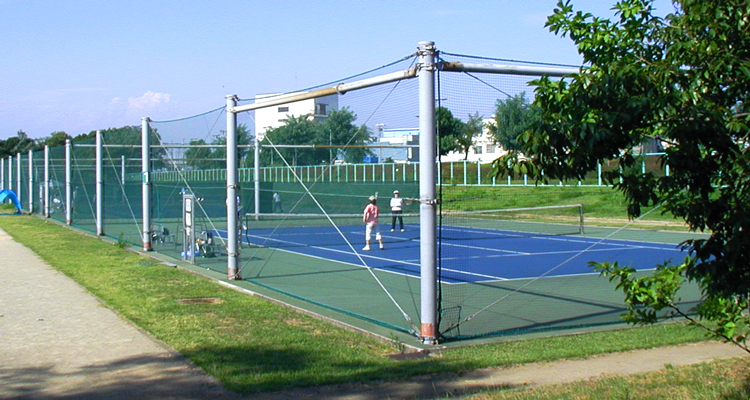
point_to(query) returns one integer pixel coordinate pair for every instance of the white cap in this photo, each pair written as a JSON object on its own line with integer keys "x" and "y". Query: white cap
{"x": 373, "y": 198}
{"x": 395, "y": 191}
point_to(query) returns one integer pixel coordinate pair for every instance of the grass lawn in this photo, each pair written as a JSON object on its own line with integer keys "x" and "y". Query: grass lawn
{"x": 724, "y": 379}
{"x": 253, "y": 345}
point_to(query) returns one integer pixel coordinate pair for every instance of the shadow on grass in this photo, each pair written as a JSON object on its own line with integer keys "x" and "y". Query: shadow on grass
{"x": 286, "y": 373}
{"x": 141, "y": 377}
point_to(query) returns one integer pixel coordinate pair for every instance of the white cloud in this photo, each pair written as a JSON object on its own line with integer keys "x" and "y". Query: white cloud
{"x": 148, "y": 101}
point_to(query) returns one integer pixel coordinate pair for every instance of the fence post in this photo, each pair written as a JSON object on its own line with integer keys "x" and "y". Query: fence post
{"x": 10, "y": 172}
{"x": 145, "y": 183}
{"x": 256, "y": 174}
{"x": 479, "y": 172}
{"x": 31, "y": 181}
{"x": 427, "y": 203}
{"x": 46, "y": 182}
{"x": 233, "y": 198}
{"x": 68, "y": 194}
{"x": 99, "y": 185}
{"x": 18, "y": 177}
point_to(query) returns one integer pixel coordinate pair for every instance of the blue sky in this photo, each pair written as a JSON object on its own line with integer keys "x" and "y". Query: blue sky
{"x": 77, "y": 66}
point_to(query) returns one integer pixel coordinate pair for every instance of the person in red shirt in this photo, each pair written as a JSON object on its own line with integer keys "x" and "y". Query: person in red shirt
{"x": 370, "y": 219}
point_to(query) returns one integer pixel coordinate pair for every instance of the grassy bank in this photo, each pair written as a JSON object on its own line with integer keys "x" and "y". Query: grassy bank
{"x": 603, "y": 206}
{"x": 253, "y": 345}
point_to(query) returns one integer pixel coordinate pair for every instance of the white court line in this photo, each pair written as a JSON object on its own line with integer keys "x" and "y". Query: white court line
{"x": 506, "y": 253}
{"x": 412, "y": 264}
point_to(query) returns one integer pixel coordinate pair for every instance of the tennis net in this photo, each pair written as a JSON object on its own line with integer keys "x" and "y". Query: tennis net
{"x": 548, "y": 220}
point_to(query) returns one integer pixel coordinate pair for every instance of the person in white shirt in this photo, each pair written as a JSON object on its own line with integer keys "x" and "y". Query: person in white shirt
{"x": 277, "y": 203}
{"x": 397, "y": 208}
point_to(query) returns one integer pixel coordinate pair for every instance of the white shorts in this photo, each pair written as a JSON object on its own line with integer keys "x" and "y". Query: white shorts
{"x": 370, "y": 229}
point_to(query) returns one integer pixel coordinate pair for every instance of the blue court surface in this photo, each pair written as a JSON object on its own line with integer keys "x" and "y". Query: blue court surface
{"x": 467, "y": 254}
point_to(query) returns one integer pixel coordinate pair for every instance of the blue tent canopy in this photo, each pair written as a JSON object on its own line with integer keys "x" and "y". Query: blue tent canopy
{"x": 10, "y": 195}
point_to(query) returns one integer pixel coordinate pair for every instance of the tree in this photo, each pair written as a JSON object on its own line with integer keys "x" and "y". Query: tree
{"x": 339, "y": 129}
{"x": 449, "y": 131}
{"x": 513, "y": 116}
{"x": 129, "y": 137}
{"x": 21, "y": 143}
{"x": 199, "y": 157}
{"x": 469, "y": 130}
{"x": 295, "y": 131}
{"x": 220, "y": 151}
{"x": 683, "y": 80}
{"x": 56, "y": 139}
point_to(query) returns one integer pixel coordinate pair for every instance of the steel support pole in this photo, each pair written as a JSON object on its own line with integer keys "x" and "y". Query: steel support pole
{"x": 31, "y": 181}
{"x": 256, "y": 174}
{"x": 68, "y": 182}
{"x": 99, "y": 185}
{"x": 232, "y": 192}
{"x": 427, "y": 203}
{"x": 145, "y": 183}
{"x": 18, "y": 177}
{"x": 10, "y": 173}
{"x": 2, "y": 173}
{"x": 46, "y": 182}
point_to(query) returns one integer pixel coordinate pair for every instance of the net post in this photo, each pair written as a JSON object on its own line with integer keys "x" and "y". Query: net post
{"x": 99, "y": 184}
{"x": 145, "y": 184}
{"x": 580, "y": 214}
{"x": 68, "y": 174}
{"x": 232, "y": 191}
{"x": 428, "y": 253}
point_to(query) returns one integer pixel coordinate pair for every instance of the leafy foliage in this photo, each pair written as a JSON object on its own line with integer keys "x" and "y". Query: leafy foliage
{"x": 683, "y": 80}
{"x": 214, "y": 157}
{"x": 21, "y": 143}
{"x": 513, "y": 116}
{"x": 338, "y": 130}
{"x": 449, "y": 130}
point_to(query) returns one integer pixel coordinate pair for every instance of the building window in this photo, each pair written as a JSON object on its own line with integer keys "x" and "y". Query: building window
{"x": 490, "y": 148}
{"x": 320, "y": 109}
{"x": 283, "y": 109}
{"x": 477, "y": 149}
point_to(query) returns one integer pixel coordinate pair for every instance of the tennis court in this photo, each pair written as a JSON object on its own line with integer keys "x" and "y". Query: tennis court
{"x": 468, "y": 254}
{"x": 497, "y": 277}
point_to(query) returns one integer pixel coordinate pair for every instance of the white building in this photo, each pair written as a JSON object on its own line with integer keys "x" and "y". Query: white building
{"x": 273, "y": 117}
{"x": 484, "y": 149}
{"x": 397, "y": 137}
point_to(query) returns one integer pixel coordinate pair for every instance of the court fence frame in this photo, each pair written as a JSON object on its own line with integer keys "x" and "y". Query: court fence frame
{"x": 429, "y": 174}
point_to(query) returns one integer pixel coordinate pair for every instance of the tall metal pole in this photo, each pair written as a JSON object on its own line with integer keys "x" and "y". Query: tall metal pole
{"x": 427, "y": 203}
{"x": 145, "y": 182}
{"x": 232, "y": 191}
{"x": 18, "y": 177}
{"x": 256, "y": 174}
{"x": 31, "y": 181}
{"x": 99, "y": 185}
{"x": 10, "y": 172}
{"x": 46, "y": 182}
{"x": 68, "y": 183}
{"x": 2, "y": 173}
